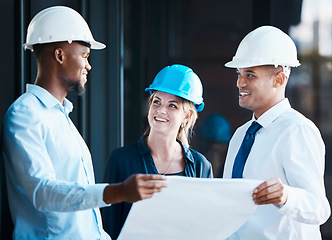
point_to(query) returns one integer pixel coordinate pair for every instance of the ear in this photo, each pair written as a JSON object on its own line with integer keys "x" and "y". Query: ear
{"x": 187, "y": 117}
{"x": 279, "y": 79}
{"x": 59, "y": 55}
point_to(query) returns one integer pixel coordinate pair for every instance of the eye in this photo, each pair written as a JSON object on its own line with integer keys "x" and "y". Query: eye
{"x": 156, "y": 101}
{"x": 250, "y": 75}
{"x": 85, "y": 54}
{"x": 173, "y": 106}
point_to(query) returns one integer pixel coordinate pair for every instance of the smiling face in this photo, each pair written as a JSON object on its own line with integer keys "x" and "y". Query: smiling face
{"x": 166, "y": 113}
{"x": 75, "y": 67}
{"x": 260, "y": 88}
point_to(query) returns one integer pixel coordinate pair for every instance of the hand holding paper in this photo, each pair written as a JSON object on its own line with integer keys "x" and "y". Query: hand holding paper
{"x": 135, "y": 188}
{"x": 192, "y": 208}
{"x": 272, "y": 191}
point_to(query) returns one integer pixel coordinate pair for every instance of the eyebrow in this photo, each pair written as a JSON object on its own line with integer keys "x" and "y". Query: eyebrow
{"x": 168, "y": 101}
{"x": 249, "y": 71}
{"x": 246, "y": 71}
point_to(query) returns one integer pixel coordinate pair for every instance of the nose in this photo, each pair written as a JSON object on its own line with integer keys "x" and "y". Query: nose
{"x": 240, "y": 83}
{"x": 161, "y": 109}
{"x": 87, "y": 65}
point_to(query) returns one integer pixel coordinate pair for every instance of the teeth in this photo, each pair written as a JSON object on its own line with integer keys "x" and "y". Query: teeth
{"x": 243, "y": 94}
{"x": 160, "y": 119}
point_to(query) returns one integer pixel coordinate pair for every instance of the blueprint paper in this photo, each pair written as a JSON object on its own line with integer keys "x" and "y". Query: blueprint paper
{"x": 192, "y": 208}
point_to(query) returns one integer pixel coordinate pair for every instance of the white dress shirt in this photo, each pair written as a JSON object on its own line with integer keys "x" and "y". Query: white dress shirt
{"x": 51, "y": 187}
{"x": 288, "y": 146}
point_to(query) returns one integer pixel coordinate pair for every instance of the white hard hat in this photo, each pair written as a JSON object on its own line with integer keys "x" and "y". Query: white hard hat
{"x": 265, "y": 45}
{"x": 57, "y": 24}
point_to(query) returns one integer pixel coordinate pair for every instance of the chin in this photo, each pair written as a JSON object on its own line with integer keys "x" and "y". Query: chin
{"x": 79, "y": 89}
{"x": 245, "y": 106}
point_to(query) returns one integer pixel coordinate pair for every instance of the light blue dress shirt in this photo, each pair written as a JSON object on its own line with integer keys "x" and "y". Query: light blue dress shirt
{"x": 51, "y": 187}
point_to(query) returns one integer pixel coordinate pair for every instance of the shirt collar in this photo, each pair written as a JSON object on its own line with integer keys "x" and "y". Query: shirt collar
{"x": 273, "y": 113}
{"x": 144, "y": 149}
{"x": 48, "y": 99}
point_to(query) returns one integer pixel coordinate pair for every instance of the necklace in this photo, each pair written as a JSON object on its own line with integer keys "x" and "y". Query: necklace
{"x": 169, "y": 166}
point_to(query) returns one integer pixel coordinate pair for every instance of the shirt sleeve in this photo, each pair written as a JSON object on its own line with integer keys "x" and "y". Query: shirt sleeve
{"x": 303, "y": 154}
{"x": 31, "y": 171}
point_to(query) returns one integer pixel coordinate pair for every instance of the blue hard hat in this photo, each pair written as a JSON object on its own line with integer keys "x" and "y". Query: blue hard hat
{"x": 181, "y": 81}
{"x": 216, "y": 128}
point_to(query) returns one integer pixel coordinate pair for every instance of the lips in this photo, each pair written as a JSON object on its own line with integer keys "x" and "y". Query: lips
{"x": 243, "y": 94}
{"x": 160, "y": 119}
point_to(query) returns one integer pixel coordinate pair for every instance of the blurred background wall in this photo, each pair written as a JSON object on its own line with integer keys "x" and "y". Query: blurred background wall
{"x": 143, "y": 36}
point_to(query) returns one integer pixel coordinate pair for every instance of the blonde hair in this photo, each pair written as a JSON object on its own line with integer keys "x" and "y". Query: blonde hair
{"x": 185, "y": 131}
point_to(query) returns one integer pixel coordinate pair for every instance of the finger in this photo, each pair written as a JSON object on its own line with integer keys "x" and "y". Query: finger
{"x": 270, "y": 201}
{"x": 151, "y": 177}
{"x": 154, "y": 185}
{"x": 268, "y": 190}
{"x": 276, "y": 194}
{"x": 271, "y": 196}
{"x": 267, "y": 184}
{"x": 146, "y": 196}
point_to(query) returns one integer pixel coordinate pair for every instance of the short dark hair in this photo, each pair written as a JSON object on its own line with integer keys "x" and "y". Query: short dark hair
{"x": 84, "y": 43}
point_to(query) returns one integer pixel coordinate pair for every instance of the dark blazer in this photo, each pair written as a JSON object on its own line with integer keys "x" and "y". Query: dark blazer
{"x": 136, "y": 158}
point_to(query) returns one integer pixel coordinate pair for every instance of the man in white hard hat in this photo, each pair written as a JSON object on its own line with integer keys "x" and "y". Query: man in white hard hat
{"x": 51, "y": 187}
{"x": 278, "y": 145}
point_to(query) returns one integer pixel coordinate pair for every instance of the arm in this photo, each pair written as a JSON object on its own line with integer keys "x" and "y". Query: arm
{"x": 135, "y": 188}
{"x": 35, "y": 177}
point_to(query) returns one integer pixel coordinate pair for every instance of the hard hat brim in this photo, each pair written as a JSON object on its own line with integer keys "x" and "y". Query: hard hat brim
{"x": 94, "y": 44}
{"x": 246, "y": 64}
{"x": 198, "y": 105}
{"x": 97, "y": 45}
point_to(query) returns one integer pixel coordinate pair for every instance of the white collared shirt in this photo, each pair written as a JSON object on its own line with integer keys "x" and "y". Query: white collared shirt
{"x": 288, "y": 146}
{"x": 51, "y": 187}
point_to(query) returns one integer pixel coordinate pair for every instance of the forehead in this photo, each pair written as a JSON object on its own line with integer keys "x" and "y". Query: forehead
{"x": 166, "y": 96}
{"x": 76, "y": 47}
{"x": 251, "y": 69}
{"x": 258, "y": 70}
{"x": 264, "y": 68}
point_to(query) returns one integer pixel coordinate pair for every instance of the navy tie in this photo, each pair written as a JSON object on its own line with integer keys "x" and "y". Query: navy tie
{"x": 244, "y": 150}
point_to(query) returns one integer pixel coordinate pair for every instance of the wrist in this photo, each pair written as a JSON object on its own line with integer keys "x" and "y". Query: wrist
{"x": 113, "y": 193}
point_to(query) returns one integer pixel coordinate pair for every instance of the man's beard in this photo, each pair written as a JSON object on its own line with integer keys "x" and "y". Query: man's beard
{"x": 79, "y": 89}
{"x": 74, "y": 86}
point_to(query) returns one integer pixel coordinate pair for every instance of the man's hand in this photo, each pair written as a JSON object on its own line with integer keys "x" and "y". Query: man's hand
{"x": 272, "y": 191}
{"x": 135, "y": 188}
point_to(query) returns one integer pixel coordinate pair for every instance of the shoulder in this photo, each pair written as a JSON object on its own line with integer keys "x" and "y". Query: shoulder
{"x": 201, "y": 163}
{"x": 292, "y": 121}
{"x": 197, "y": 155}
{"x": 25, "y": 102}
{"x": 25, "y": 110}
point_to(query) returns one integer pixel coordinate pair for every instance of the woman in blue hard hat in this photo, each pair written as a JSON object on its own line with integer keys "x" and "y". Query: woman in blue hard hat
{"x": 176, "y": 97}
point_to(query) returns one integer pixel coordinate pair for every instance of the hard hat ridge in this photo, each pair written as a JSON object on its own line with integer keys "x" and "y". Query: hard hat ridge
{"x": 181, "y": 81}
{"x": 266, "y": 45}
{"x": 57, "y": 24}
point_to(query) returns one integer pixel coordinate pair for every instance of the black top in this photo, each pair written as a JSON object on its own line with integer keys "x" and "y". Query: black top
{"x": 136, "y": 158}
